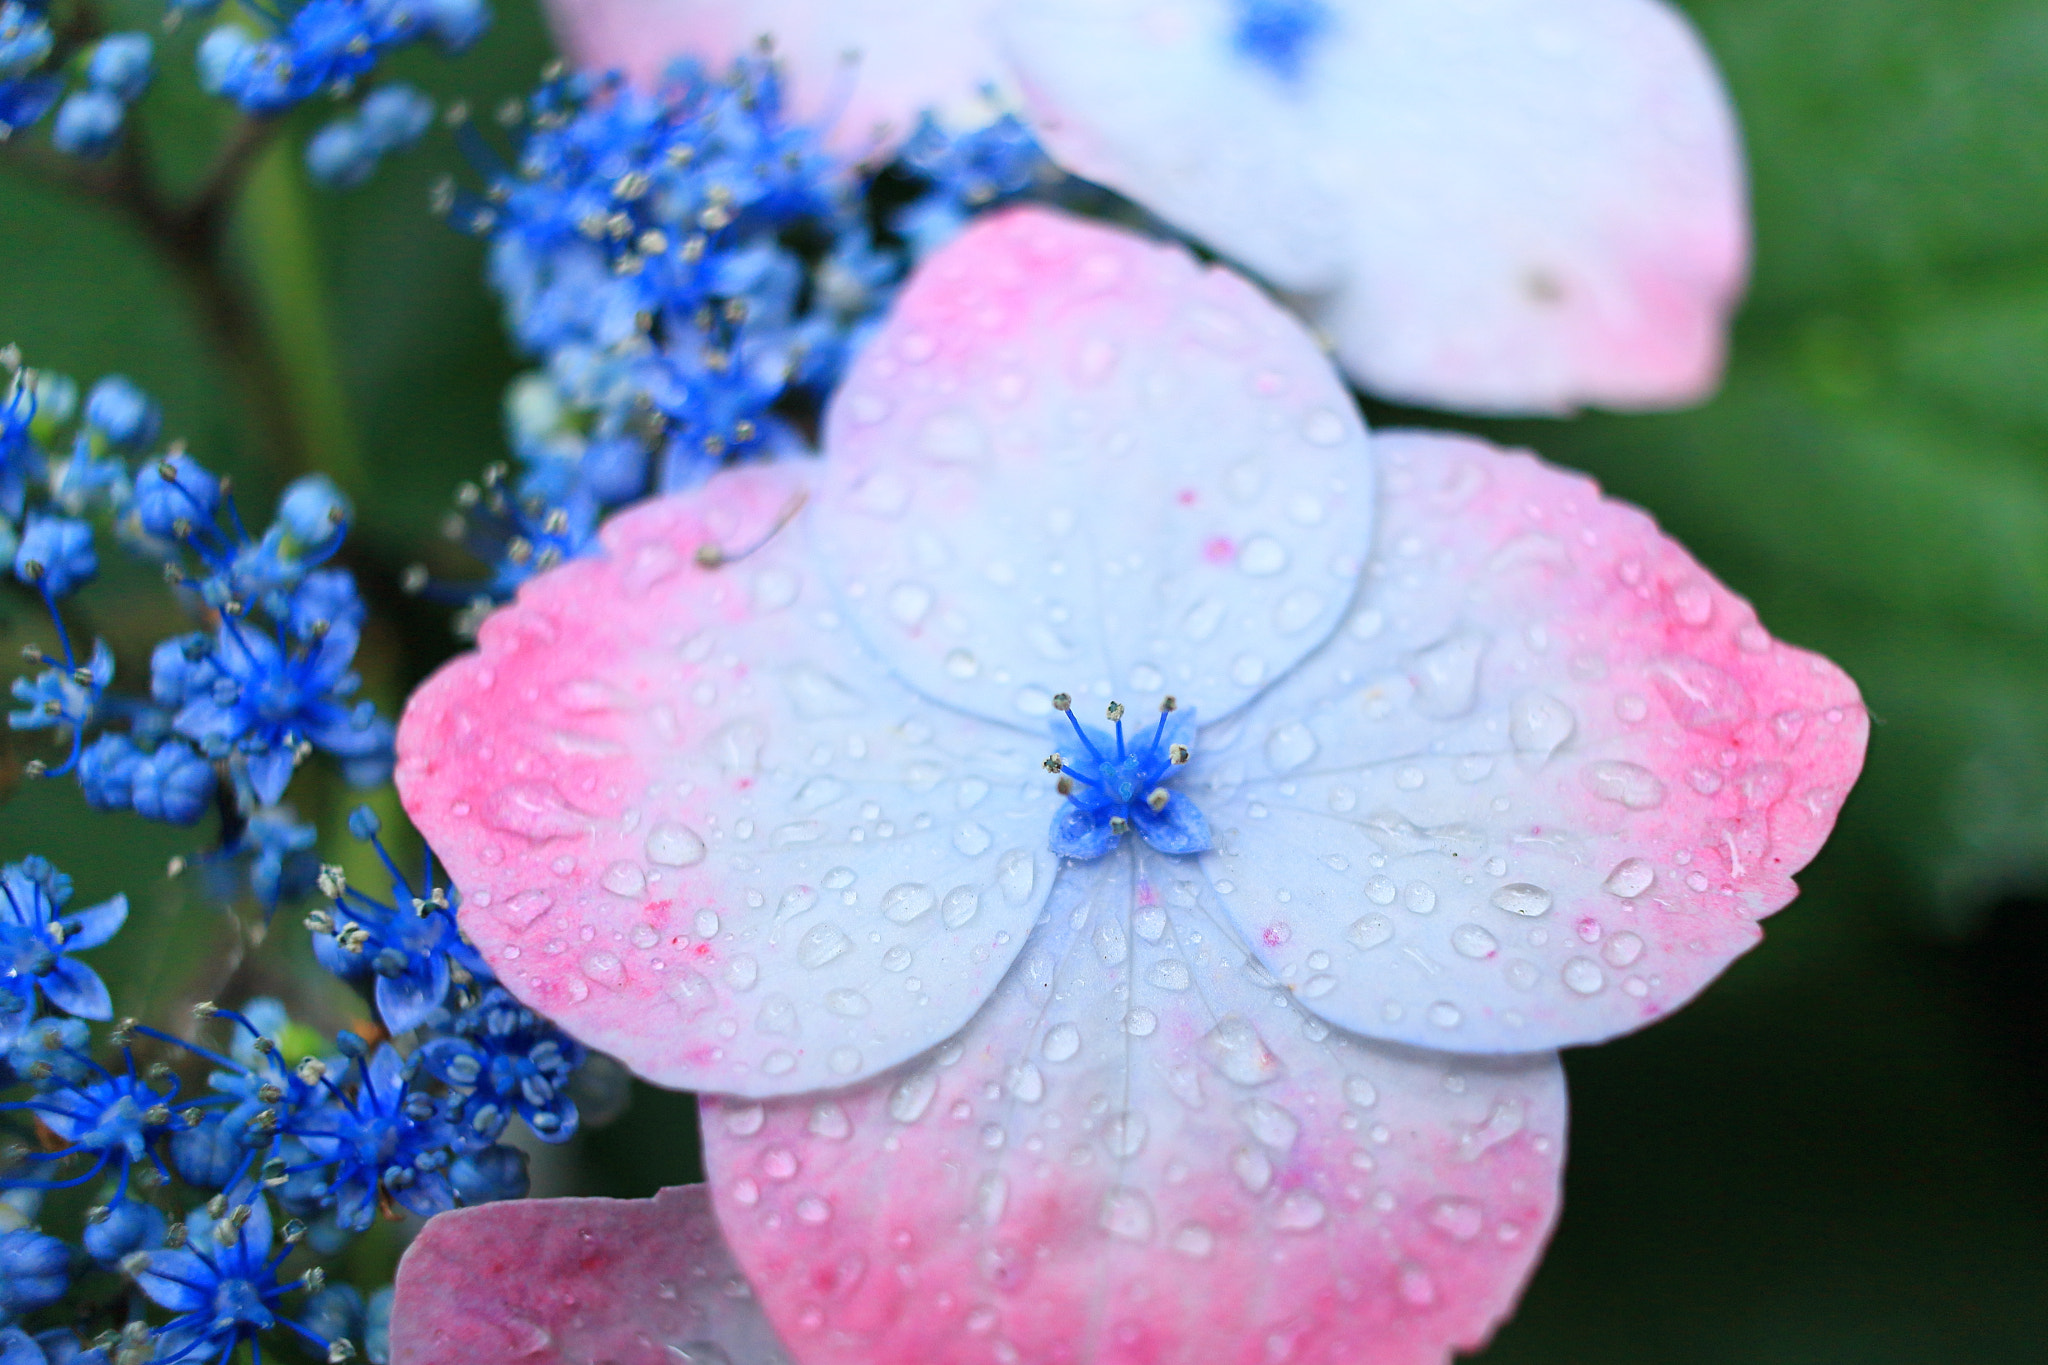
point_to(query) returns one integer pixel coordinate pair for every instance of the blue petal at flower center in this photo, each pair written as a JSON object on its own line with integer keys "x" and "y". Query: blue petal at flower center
{"x": 1278, "y": 34}
{"x": 1118, "y": 784}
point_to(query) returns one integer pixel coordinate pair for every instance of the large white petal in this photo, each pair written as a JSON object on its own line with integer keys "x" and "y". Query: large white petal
{"x": 1542, "y": 786}
{"x": 1076, "y": 461}
{"x": 568, "y": 1281}
{"x": 1512, "y": 205}
{"x": 1142, "y": 1151}
{"x": 695, "y": 825}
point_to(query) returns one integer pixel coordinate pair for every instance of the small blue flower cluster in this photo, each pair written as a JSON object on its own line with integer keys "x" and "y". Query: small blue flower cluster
{"x": 232, "y": 708}
{"x": 345, "y": 153}
{"x": 694, "y": 269}
{"x": 327, "y": 47}
{"x": 328, "y": 1139}
{"x": 27, "y": 87}
{"x": 117, "y": 71}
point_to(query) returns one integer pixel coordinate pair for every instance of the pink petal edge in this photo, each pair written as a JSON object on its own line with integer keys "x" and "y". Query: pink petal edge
{"x": 1144, "y": 1153}
{"x": 1499, "y": 205}
{"x": 1549, "y": 756}
{"x": 870, "y": 67}
{"x": 571, "y": 1281}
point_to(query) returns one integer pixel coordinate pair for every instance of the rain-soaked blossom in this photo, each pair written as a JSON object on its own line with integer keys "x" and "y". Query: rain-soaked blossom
{"x": 1510, "y": 205}
{"x": 763, "y": 801}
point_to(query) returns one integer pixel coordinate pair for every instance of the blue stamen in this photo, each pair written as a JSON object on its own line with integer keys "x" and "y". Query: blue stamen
{"x": 1110, "y": 798}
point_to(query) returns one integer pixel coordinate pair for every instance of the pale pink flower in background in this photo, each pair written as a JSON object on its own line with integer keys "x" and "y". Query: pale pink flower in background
{"x": 1489, "y": 205}
{"x": 753, "y": 801}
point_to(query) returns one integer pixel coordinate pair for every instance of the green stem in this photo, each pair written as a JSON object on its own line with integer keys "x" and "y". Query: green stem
{"x": 282, "y": 259}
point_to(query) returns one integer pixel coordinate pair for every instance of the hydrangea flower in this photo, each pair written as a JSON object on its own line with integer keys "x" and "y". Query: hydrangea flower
{"x": 37, "y": 943}
{"x": 224, "y": 1288}
{"x": 1515, "y": 205}
{"x": 757, "y": 802}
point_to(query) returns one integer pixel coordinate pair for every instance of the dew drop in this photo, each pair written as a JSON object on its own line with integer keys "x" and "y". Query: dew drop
{"x": 847, "y": 1004}
{"x": 1522, "y": 898}
{"x": 1622, "y": 949}
{"x": 1269, "y": 1123}
{"x": 906, "y": 902}
{"x": 1299, "y": 1211}
{"x": 972, "y": 840}
{"x": 824, "y": 943}
{"x": 1015, "y": 872}
{"x": 604, "y": 968}
{"x": 1127, "y": 1214}
{"x": 1170, "y": 974}
{"x": 1235, "y": 1049}
{"x": 1459, "y": 1219}
{"x": 1194, "y": 1240}
{"x": 1474, "y": 942}
{"x": 624, "y": 879}
{"x": 912, "y": 1096}
{"x": 1062, "y": 1042}
{"x": 671, "y": 845}
{"x": 1420, "y": 898}
{"x": 1370, "y": 931}
{"x": 1360, "y": 1092}
{"x": 1262, "y": 557}
{"x": 1583, "y": 975}
{"x": 1290, "y": 746}
{"x": 1625, "y": 784}
{"x": 705, "y": 923}
{"x": 959, "y": 906}
{"x": 1630, "y": 878}
{"x": 829, "y": 1121}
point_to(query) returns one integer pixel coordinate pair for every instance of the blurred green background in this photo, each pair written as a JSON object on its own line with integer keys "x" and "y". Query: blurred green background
{"x": 1838, "y": 1154}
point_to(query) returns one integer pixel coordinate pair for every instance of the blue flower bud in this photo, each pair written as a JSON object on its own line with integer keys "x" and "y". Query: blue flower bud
{"x": 175, "y": 489}
{"x": 314, "y": 512}
{"x": 55, "y": 554}
{"x": 225, "y": 56}
{"x": 123, "y": 413}
{"x": 395, "y": 116}
{"x": 363, "y": 823}
{"x": 34, "y": 1271}
{"x": 106, "y": 772}
{"x": 24, "y": 41}
{"x": 182, "y": 668}
{"x": 122, "y": 64}
{"x": 87, "y": 123}
{"x": 173, "y": 784}
{"x": 207, "y": 1156}
{"x": 129, "y": 1226}
{"x": 494, "y": 1173}
{"x": 340, "y": 156}
{"x": 457, "y": 23}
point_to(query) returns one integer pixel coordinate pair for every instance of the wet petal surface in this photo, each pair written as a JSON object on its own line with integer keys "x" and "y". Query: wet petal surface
{"x": 696, "y": 826}
{"x": 1076, "y": 461}
{"x": 569, "y": 1281}
{"x": 1540, "y": 788}
{"x": 1143, "y": 1151}
{"x": 869, "y": 68}
{"x": 1511, "y": 205}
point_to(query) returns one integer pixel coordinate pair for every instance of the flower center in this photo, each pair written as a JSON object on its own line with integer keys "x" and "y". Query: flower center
{"x": 1116, "y": 784}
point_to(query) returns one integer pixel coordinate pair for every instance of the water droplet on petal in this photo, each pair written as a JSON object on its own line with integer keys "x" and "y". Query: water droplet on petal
{"x": 1235, "y": 1049}
{"x": 1290, "y": 746}
{"x": 1583, "y": 975}
{"x": 1062, "y": 1042}
{"x": 1170, "y": 974}
{"x": 1269, "y": 1123}
{"x": 1630, "y": 878}
{"x": 959, "y": 906}
{"x": 1625, "y": 784}
{"x": 1127, "y": 1213}
{"x": 912, "y": 1096}
{"x": 1474, "y": 942}
{"x": 624, "y": 879}
{"x": 670, "y": 845}
{"x": 824, "y": 943}
{"x": 906, "y": 902}
{"x": 1522, "y": 898}
{"x": 1370, "y": 931}
{"x": 1015, "y": 872}
{"x": 1459, "y": 1219}
{"x": 1299, "y": 1211}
